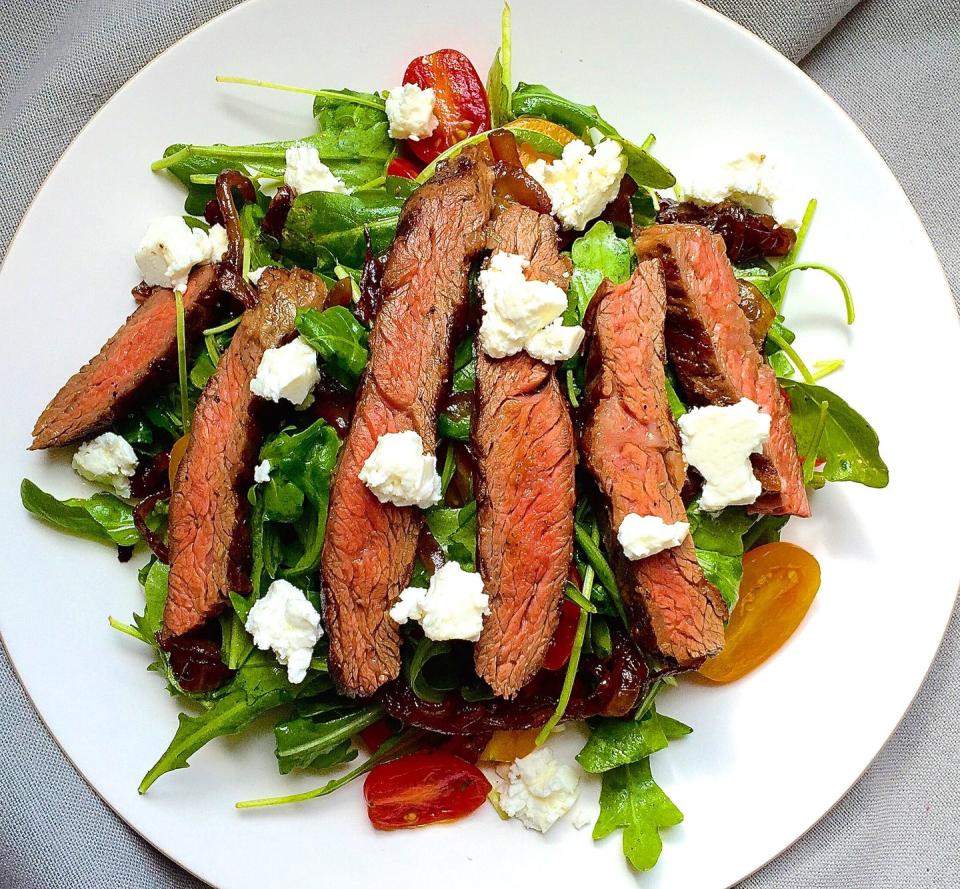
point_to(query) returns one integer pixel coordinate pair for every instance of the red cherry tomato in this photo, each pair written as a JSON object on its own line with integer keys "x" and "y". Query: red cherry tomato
{"x": 402, "y": 167}
{"x": 460, "y": 103}
{"x": 423, "y": 788}
{"x": 374, "y": 735}
{"x": 562, "y": 643}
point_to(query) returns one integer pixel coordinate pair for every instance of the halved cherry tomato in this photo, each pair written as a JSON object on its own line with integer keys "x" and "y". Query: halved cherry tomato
{"x": 374, "y": 735}
{"x": 423, "y": 788}
{"x": 176, "y": 455}
{"x": 779, "y": 583}
{"x": 403, "y": 167}
{"x": 507, "y": 746}
{"x": 460, "y": 101}
{"x": 562, "y": 643}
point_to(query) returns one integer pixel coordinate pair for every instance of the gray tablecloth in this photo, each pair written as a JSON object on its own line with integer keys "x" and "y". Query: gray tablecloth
{"x": 894, "y": 65}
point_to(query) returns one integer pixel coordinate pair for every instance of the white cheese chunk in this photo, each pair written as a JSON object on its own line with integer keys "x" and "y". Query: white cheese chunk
{"x": 521, "y": 314}
{"x": 285, "y": 621}
{"x": 452, "y": 607}
{"x": 254, "y": 276}
{"x": 305, "y": 172}
{"x": 170, "y": 249}
{"x": 752, "y": 180}
{"x": 288, "y": 372}
{"x": 580, "y": 183}
{"x": 718, "y": 442}
{"x": 262, "y": 472}
{"x": 582, "y": 817}
{"x": 410, "y": 112}
{"x": 645, "y": 535}
{"x": 541, "y": 789}
{"x": 107, "y": 460}
{"x": 399, "y": 472}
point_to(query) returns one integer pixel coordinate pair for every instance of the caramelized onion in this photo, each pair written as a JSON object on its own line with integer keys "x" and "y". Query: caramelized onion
{"x": 514, "y": 184}
{"x": 602, "y": 688}
{"x": 153, "y": 540}
{"x": 503, "y": 146}
{"x": 759, "y": 311}
{"x": 276, "y": 216}
{"x": 196, "y": 662}
{"x": 231, "y": 266}
{"x": 370, "y": 279}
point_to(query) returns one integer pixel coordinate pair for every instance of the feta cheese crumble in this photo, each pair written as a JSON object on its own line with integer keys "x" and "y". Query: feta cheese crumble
{"x": 108, "y": 460}
{"x": 285, "y": 621}
{"x": 646, "y": 535}
{"x": 399, "y": 472}
{"x": 751, "y": 180}
{"x": 255, "y": 275}
{"x": 410, "y": 112}
{"x": 521, "y": 314}
{"x": 287, "y": 372}
{"x": 170, "y": 249}
{"x": 305, "y": 172}
{"x": 452, "y": 607}
{"x": 581, "y": 184}
{"x": 541, "y": 789}
{"x": 262, "y": 472}
{"x": 718, "y": 442}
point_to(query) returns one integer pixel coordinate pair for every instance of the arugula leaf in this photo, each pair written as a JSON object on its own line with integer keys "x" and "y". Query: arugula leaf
{"x": 598, "y": 254}
{"x": 632, "y": 801}
{"x": 102, "y": 517}
{"x": 340, "y": 340}
{"x": 259, "y": 686}
{"x": 431, "y": 658}
{"x": 848, "y": 444}
{"x": 498, "y": 80}
{"x": 301, "y": 465}
{"x": 765, "y": 530}
{"x": 464, "y": 367}
{"x": 616, "y": 742}
{"x": 304, "y": 742}
{"x": 455, "y": 530}
{"x": 718, "y": 538}
{"x": 324, "y": 228}
{"x": 536, "y": 100}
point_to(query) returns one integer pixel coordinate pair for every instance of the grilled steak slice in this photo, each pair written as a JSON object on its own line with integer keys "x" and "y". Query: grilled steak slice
{"x": 369, "y": 548}
{"x": 525, "y": 454}
{"x": 632, "y": 450}
{"x": 208, "y": 508}
{"x": 709, "y": 343}
{"x": 141, "y": 354}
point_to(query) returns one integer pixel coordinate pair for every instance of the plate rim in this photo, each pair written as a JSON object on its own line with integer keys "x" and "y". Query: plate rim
{"x": 773, "y": 57}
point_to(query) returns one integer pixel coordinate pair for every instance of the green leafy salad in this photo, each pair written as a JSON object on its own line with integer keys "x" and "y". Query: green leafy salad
{"x": 436, "y": 743}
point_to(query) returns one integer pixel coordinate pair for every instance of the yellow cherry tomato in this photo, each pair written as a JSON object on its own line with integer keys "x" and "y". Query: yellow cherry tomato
{"x": 508, "y": 746}
{"x": 779, "y": 583}
{"x": 528, "y": 154}
{"x": 176, "y": 455}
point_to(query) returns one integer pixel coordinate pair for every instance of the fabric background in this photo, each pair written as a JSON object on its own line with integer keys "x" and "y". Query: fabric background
{"x": 894, "y": 65}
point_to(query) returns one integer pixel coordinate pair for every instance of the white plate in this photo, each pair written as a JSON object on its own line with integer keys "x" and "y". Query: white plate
{"x": 770, "y": 754}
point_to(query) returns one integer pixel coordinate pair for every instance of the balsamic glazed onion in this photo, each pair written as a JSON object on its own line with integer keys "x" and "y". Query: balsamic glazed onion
{"x": 511, "y": 182}
{"x": 231, "y": 266}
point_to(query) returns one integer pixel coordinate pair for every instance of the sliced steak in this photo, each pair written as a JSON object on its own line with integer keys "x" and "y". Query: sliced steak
{"x": 369, "y": 548}
{"x": 709, "y": 343}
{"x": 631, "y": 448}
{"x": 139, "y": 356}
{"x": 209, "y": 551}
{"x": 525, "y": 454}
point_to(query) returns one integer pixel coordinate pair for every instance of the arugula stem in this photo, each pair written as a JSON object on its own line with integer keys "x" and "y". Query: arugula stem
{"x": 223, "y": 328}
{"x": 182, "y": 362}
{"x": 823, "y": 369}
{"x": 810, "y": 458}
{"x": 390, "y": 747}
{"x": 449, "y": 466}
{"x": 791, "y": 257}
{"x": 506, "y": 55}
{"x": 371, "y": 185}
{"x": 126, "y": 628}
{"x": 366, "y": 101}
{"x": 571, "y": 389}
{"x": 783, "y": 345}
{"x": 600, "y": 565}
{"x": 575, "y": 596}
{"x": 212, "y": 349}
{"x": 573, "y": 664}
{"x": 781, "y": 273}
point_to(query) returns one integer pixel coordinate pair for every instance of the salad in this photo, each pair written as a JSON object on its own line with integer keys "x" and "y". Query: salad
{"x": 450, "y": 423}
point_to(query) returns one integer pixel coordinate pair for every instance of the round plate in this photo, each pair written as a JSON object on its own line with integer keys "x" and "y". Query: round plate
{"x": 770, "y": 754}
